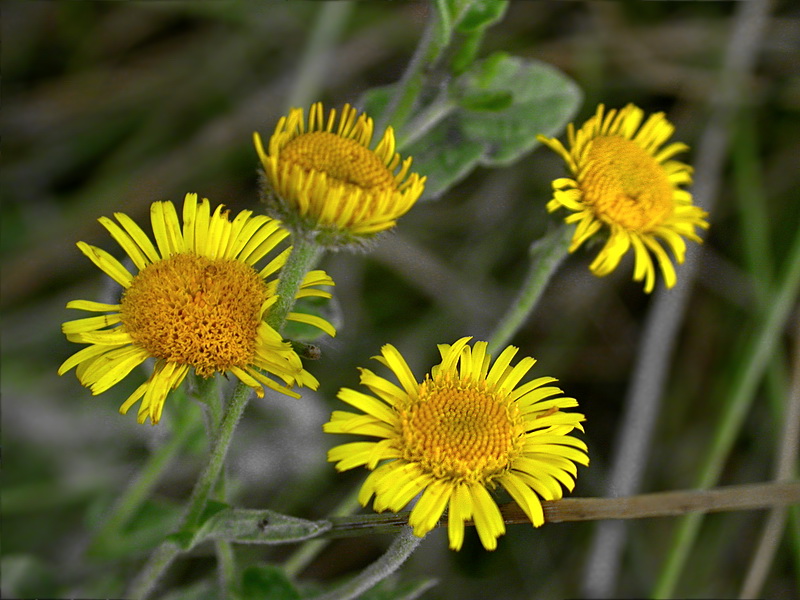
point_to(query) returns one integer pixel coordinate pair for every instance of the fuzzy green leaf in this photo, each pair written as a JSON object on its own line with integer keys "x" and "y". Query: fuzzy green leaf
{"x": 502, "y": 104}
{"x": 487, "y": 100}
{"x": 544, "y": 100}
{"x": 493, "y": 114}
{"x": 249, "y": 526}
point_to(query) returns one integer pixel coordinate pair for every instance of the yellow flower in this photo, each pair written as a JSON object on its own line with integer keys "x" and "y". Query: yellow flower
{"x": 322, "y": 176}
{"x": 197, "y": 301}
{"x": 625, "y": 180}
{"x": 459, "y": 433}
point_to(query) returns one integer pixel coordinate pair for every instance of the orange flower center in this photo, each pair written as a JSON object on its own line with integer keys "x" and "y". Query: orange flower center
{"x": 340, "y": 158}
{"x": 625, "y": 185}
{"x": 460, "y": 430}
{"x": 195, "y": 310}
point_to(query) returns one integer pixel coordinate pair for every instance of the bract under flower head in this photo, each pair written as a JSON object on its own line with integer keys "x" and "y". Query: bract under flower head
{"x": 196, "y": 302}
{"x": 321, "y": 176}
{"x": 465, "y": 429}
{"x": 625, "y": 181}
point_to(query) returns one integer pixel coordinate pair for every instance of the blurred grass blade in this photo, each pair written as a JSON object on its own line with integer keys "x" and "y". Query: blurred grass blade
{"x": 748, "y": 375}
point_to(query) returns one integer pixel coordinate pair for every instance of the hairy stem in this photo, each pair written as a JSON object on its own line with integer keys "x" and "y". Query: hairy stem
{"x": 401, "y": 548}
{"x": 300, "y": 260}
{"x": 546, "y": 256}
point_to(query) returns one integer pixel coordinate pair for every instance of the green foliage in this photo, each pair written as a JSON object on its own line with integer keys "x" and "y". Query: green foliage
{"x": 267, "y": 582}
{"x": 145, "y": 531}
{"x": 481, "y": 14}
{"x": 81, "y": 146}
{"x": 543, "y": 101}
{"x": 491, "y": 117}
{"x": 201, "y": 590}
{"x": 392, "y": 589}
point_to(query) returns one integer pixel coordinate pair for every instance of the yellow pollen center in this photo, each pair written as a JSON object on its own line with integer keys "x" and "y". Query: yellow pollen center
{"x": 460, "y": 430}
{"x": 340, "y": 158}
{"x": 625, "y": 185}
{"x": 195, "y": 310}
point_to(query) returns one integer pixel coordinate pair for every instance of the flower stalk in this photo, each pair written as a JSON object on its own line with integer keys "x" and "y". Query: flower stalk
{"x": 304, "y": 255}
{"x": 401, "y": 548}
{"x": 546, "y": 256}
{"x": 299, "y": 262}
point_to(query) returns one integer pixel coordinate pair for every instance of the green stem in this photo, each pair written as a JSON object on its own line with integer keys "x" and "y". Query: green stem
{"x": 752, "y": 202}
{"x": 300, "y": 260}
{"x": 425, "y": 120}
{"x": 219, "y": 449}
{"x": 401, "y": 548}
{"x": 207, "y": 393}
{"x": 546, "y": 255}
{"x": 304, "y": 255}
{"x": 408, "y": 88}
{"x": 755, "y": 360}
{"x": 169, "y": 550}
{"x": 159, "y": 561}
{"x": 226, "y": 568}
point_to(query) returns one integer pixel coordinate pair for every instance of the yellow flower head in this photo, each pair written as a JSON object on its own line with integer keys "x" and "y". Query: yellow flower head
{"x": 196, "y": 301}
{"x": 463, "y": 430}
{"x": 321, "y": 176}
{"x": 625, "y": 180}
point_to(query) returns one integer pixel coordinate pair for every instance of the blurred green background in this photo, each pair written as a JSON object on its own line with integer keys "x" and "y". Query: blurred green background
{"x": 111, "y": 106}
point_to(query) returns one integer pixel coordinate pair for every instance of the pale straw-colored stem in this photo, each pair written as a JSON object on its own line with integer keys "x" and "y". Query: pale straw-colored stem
{"x": 753, "y": 496}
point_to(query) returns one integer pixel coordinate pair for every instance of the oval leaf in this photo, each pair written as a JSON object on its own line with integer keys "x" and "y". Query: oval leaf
{"x": 526, "y": 98}
{"x": 250, "y": 526}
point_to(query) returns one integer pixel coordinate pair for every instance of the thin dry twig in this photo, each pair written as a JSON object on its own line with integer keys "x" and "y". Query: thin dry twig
{"x": 661, "y": 504}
